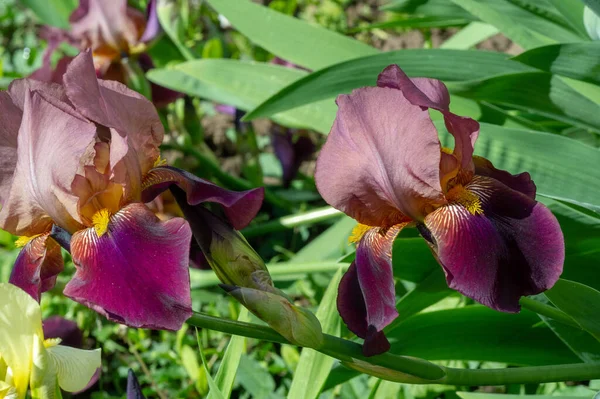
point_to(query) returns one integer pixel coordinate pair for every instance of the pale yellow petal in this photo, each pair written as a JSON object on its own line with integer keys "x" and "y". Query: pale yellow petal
{"x": 75, "y": 367}
{"x": 20, "y": 327}
{"x": 7, "y": 391}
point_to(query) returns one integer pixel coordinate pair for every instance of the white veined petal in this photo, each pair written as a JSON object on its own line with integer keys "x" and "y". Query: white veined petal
{"x": 75, "y": 367}
{"x": 7, "y": 391}
{"x": 20, "y": 327}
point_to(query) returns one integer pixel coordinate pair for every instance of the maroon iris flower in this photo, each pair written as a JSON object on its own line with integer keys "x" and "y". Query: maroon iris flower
{"x": 84, "y": 156}
{"x": 384, "y": 166}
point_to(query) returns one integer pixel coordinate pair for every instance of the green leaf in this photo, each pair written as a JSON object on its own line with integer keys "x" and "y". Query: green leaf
{"x": 580, "y": 302}
{"x": 331, "y": 244}
{"x": 585, "y": 346}
{"x": 469, "y": 36}
{"x": 214, "y": 389}
{"x": 412, "y": 259}
{"x": 243, "y": 85}
{"x": 231, "y": 360}
{"x": 537, "y": 92}
{"x": 415, "y": 22}
{"x": 310, "y": 46}
{"x": 446, "y": 65}
{"x": 314, "y": 367}
{"x": 52, "y": 12}
{"x": 254, "y": 378}
{"x": 516, "y": 23}
{"x": 572, "y": 12}
{"x": 574, "y": 60}
{"x": 479, "y": 333}
{"x": 477, "y": 395}
{"x": 570, "y": 177}
{"x": 428, "y": 8}
{"x": 171, "y": 23}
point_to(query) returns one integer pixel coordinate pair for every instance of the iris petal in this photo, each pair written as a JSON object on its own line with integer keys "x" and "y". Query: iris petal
{"x": 74, "y": 367}
{"x": 239, "y": 206}
{"x": 137, "y": 272}
{"x": 20, "y": 328}
{"x": 381, "y": 160}
{"x": 37, "y": 266}
{"x": 366, "y": 295}
{"x": 432, "y": 93}
{"x": 521, "y": 182}
{"x": 514, "y": 248}
{"x": 51, "y": 144}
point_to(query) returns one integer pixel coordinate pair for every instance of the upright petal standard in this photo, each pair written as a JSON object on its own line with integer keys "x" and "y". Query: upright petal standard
{"x": 384, "y": 166}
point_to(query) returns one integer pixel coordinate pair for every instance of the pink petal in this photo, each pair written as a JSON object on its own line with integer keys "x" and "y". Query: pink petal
{"x": 514, "y": 248}
{"x": 432, "y": 93}
{"x": 100, "y": 22}
{"x": 381, "y": 159}
{"x": 51, "y": 144}
{"x": 10, "y": 120}
{"x": 137, "y": 272}
{"x": 136, "y": 129}
{"x": 239, "y": 206}
{"x": 367, "y": 297}
{"x": 37, "y": 266}
{"x": 521, "y": 182}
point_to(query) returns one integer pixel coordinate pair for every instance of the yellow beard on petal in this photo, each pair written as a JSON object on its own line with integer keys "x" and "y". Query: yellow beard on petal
{"x": 466, "y": 198}
{"x": 159, "y": 162}
{"x": 100, "y": 221}
{"x": 358, "y": 232}
{"x": 24, "y": 240}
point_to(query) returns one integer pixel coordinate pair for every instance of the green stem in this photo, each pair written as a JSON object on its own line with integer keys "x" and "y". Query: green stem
{"x": 409, "y": 369}
{"x": 287, "y": 222}
{"x": 230, "y": 181}
{"x": 549, "y": 311}
{"x": 278, "y": 272}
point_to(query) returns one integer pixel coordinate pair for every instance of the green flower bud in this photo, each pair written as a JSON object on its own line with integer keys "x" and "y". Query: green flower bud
{"x": 297, "y": 325}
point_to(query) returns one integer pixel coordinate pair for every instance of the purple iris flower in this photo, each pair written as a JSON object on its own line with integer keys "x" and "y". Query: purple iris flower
{"x": 383, "y": 165}
{"x": 84, "y": 156}
{"x": 113, "y": 31}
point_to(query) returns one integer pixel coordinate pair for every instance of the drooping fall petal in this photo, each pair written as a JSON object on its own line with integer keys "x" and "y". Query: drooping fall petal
{"x": 366, "y": 297}
{"x": 521, "y": 182}
{"x": 37, "y": 266}
{"x": 74, "y": 367}
{"x": 50, "y": 146}
{"x": 20, "y": 327}
{"x": 514, "y": 248}
{"x": 239, "y": 206}
{"x": 136, "y": 273}
{"x": 381, "y": 159}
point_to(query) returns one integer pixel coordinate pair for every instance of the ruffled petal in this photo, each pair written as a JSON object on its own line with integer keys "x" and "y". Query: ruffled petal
{"x": 20, "y": 328}
{"x": 74, "y": 367}
{"x": 366, "y": 296}
{"x": 521, "y": 182}
{"x": 514, "y": 248}
{"x": 99, "y": 23}
{"x": 136, "y": 273}
{"x": 10, "y": 120}
{"x": 239, "y": 206}
{"x": 51, "y": 144}
{"x": 136, "y": 129}
{"x": 37, "y": 266}
{"x": 432, "y": 93}
{"x": 424, "y": 92}
{"x": 381, "y": 159}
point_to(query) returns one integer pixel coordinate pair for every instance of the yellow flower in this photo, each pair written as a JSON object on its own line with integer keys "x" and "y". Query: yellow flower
{"x": 27, "y": 360}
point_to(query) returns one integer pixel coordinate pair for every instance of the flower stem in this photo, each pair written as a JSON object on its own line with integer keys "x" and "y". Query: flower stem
{"x": 549, "y": 311}
{"x": 405, "y": 369}
{"x": 287, "y": 222}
